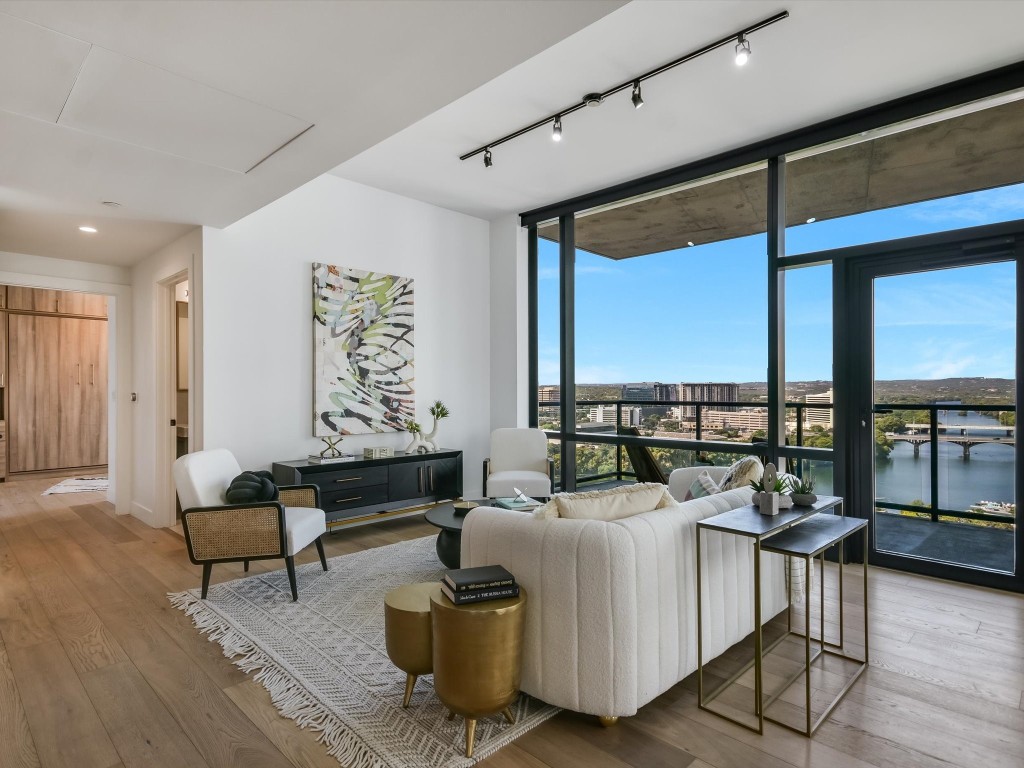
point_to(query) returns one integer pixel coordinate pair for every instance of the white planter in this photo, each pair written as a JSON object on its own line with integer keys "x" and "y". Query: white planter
{"x": 767, "y": 503}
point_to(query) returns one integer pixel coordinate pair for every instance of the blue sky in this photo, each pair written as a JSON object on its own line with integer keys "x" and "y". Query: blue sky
{"x": 698, "y": 314}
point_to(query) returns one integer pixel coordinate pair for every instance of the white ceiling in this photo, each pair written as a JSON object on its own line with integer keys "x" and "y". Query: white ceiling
{"x": 827, "y": 59}
{"x": 172, "y": 108}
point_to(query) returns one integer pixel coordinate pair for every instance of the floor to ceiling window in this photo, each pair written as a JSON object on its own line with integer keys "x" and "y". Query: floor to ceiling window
{"x": 712, "y": 317}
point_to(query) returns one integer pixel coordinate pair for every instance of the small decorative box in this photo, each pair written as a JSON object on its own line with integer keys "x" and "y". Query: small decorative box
{"x": 378, "y": 453}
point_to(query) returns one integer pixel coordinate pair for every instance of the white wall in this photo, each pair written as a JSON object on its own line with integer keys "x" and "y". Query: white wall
{"x": 152, "y": 326}
{"x": 114, "y": 282}
{"x": 509, "y": 321}
{"x": 257, "y": 317}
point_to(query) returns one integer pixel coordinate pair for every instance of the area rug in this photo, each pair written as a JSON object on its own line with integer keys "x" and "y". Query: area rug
{"x": 78, "y": 485}
{"x": 324, "y": 662}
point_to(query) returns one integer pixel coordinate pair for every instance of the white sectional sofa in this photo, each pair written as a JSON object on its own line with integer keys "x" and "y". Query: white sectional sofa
{"x": 611, "y": 618}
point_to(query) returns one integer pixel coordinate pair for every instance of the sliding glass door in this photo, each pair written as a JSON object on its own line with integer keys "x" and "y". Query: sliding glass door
{"x": 934, "y": 365}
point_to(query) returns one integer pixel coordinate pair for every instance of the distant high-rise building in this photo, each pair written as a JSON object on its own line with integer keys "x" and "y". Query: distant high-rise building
{"x": 548, "y": 393}
{"x": 664, "y": 392}
{"x": 641, "y": 391}
{"x": 821, "y": 416}
{"x": 603, "y": 414}
{"x": 709, "y": 391}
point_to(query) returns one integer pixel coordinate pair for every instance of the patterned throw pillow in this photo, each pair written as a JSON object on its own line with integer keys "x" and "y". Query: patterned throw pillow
{"x": 742, "y": 472}
{"x": 702, "y": 486}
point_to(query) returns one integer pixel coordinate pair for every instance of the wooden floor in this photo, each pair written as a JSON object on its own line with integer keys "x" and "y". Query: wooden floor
{"x": 97, "y": 669}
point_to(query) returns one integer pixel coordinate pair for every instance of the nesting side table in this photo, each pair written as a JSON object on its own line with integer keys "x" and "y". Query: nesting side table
{"x": 749, "y": 522}
{"x": 478, "y": 651}
{"x": 808, "y": 540}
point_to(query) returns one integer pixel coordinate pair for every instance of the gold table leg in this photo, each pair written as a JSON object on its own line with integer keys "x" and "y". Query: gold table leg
{"x": 470, "y": 735}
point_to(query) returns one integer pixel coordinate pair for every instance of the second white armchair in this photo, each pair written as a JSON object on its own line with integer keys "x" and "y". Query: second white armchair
{"x": 519, "y": 459}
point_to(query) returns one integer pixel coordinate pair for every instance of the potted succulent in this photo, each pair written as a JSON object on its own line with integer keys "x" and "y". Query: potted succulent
{"x": 770, "y": 492}
{"x": 802, "y": 491}
{"x": 439, "y": 411}
{"x": 417, "y": 445}
{"x": 767, "y": 497}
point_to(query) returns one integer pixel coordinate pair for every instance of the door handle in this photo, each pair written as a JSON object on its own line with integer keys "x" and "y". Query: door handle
{"x": 430, "y": 479}
{"x": 419, "y": 479}
{"x": 78, "y": 374}
{"x": 92, "y": 374}
{"x": 347, "y": 479}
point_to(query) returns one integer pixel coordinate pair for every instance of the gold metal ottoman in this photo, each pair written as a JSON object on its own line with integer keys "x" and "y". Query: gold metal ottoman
{"x": 478, "y": 651}
{"x": 407, "y": 630}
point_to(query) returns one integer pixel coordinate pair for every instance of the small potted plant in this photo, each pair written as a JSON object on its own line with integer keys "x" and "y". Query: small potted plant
{"x": 439, "y": 411}
{"x": 417, "y": 445}
{"x": 767, "y": 495}
{"x": 802, "y": 491}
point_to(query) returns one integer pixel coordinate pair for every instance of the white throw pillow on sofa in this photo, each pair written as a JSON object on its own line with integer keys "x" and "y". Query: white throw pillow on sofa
{"x": 611, "y": 504}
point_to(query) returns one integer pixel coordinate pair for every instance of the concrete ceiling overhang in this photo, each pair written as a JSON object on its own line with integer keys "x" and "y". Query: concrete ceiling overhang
{"x": 966, "y": 153}
{"x": 202, "y": 112}
{"x": 826, "y": 60}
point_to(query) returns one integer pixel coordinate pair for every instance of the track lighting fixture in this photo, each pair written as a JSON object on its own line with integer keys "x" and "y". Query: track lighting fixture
{"x": 638, "y": 100}
{"x": 742, "y": 50}
{"x": 597, "y": 98}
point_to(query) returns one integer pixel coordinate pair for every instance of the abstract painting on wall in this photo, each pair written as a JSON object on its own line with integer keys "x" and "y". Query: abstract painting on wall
{"x": 363, "y": 378}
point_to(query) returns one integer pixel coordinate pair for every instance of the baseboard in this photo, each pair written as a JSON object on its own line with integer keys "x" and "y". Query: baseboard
{"x": 145, "y": 514}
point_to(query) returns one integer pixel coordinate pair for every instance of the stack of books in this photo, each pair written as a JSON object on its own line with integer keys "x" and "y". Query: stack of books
{"x": 474, "y": 585}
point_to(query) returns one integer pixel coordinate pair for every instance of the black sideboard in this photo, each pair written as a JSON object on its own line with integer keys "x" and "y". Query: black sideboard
{"x": 365, "y": 490}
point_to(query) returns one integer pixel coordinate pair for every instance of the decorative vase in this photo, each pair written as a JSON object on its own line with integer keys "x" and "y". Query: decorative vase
{"x": 428, "y": 439}
{"x": 785, "y": 501}
{"x": 767, "y": 503}
{"x": 417, "y": 445}
{"x": 804, "y": 499}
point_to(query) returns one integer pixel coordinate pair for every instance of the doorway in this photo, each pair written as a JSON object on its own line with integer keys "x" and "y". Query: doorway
{"x": 180, "y": 374}
{"x": 934, "y": 381}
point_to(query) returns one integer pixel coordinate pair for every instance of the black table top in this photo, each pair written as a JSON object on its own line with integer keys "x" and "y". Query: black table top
{"x": 748, "y": 521}
{"x": 813, "y": 535}
{"x": 443, "y": 516}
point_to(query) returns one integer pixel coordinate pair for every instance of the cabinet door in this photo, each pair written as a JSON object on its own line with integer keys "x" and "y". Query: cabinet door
{"x": 444, "y": 480}
{"x": 3, "y": 353}
{"x": 407, "y": 481}
{"x": 32, "y": 299}
{"x": 75, "y": 303}
{"x": 83, "y": 387}
{"x": 33, "y": 393}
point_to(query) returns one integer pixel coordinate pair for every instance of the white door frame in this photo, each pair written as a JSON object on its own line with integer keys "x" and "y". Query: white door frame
{"x": 119, "y": 417}
{"x": 167, "y": 393}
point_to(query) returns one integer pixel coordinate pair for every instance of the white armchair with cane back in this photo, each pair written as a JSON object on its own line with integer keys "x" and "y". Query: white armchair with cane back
{"x": 220, "y": 532}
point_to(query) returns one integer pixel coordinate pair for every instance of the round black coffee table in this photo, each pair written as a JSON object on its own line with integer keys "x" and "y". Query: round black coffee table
{"x": 449, "y": 540}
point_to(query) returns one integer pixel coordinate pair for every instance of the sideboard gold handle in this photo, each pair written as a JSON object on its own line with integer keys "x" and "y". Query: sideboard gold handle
{"x": 347, "y": 479}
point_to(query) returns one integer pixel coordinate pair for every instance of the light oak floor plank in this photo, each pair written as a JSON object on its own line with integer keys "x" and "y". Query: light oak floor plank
{"x": 103, "y": 671}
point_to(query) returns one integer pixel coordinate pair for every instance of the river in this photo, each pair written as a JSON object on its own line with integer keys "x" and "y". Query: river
{"x": 902, "y": 478}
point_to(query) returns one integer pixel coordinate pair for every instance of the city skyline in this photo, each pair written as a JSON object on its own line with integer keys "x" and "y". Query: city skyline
{"x": 647, "y": 319}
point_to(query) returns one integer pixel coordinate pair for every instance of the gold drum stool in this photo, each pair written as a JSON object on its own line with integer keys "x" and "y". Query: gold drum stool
{"x": 407, "y": 630}
{"x": 478, "y": 652}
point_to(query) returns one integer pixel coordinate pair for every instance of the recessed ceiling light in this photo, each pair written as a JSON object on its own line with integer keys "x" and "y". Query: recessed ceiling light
{"x": 90, "y": 230}
{"x": 111, "y": 203}
{"x": 811, "y": 220}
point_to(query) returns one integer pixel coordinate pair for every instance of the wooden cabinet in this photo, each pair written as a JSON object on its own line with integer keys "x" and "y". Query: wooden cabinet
{"x": 57, "y": 395}
{"x": 362, "y": 491}
{"x": 3, "y": 357}
{"x": 3, "y": 449}
{"x": 24, "y": 299}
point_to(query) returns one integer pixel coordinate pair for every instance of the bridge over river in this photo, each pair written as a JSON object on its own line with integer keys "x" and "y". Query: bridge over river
{"x": 966, "y": 436}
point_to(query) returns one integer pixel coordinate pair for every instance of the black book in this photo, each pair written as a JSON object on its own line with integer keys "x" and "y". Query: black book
{"x": 480, "y": 595}
{"x": 481, "y": 577}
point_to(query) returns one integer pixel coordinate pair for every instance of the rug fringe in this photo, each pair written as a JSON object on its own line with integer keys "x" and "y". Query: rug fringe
{"x": 287, "y": 696}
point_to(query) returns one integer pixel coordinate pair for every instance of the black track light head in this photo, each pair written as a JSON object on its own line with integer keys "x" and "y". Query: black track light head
{"x": 487, "y": 159}
{"x": 638, "y": 100}
{"x": 742, "y": 50}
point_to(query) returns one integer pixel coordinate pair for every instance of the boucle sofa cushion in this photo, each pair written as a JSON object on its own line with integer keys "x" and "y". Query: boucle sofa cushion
{"x": 611, "y": 504}
{"x": 741, "y": 473}
{"x": 702, "y": 486}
